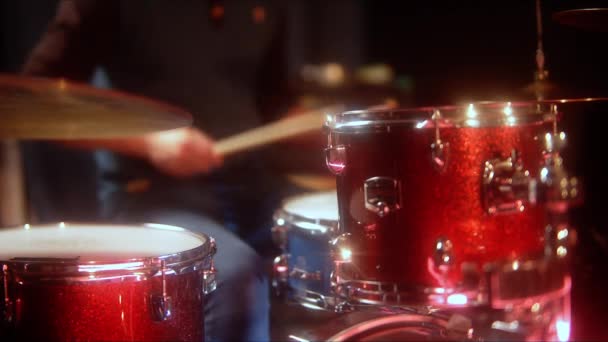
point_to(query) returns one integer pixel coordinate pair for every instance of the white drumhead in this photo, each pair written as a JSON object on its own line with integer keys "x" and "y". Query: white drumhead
{"x": 323, "y": 206}
{"x": 96, "y": 242}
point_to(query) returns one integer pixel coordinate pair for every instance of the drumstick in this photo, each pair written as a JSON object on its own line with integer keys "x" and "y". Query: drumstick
{"x": 281, "y": 129}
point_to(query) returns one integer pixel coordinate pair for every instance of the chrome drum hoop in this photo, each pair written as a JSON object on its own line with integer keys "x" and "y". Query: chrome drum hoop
{"x": 477, "y": 114}
{"x": 69, "y": 270}
{"x": 500, "y": 286}
{"x": 309, "y": 225}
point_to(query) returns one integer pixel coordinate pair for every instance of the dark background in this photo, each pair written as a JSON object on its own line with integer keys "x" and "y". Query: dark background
{"x": 452, "y": 51}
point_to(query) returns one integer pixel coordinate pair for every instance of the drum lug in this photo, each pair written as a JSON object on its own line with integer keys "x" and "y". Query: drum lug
{"x": 280, "y": 274}
{"x": 559, "y": 240}
{"x": 507, "y": 187}
{"x": 444, "y": 253}
{"x": 341, "y": 250}
{"x": 209, "y": 282}
{"x": 279, "y": 233}
{"x": 7, "y": 302}
{"x": 439, "y": 150}
{"x": 162, "y": 306}
{"x": 443, "y": 259}
{"x": 209, "y": 275}
{"x": 212, "y": 247}
{"x": 558, "y": 189}
{"x": 301, "y": 274}
{"x": 382, "y": 195}
{"x": 335, "y": 159}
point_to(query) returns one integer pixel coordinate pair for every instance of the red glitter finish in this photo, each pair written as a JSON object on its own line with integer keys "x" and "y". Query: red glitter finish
{"x": 398, "y": 247}
{"x": 111, "y": 310}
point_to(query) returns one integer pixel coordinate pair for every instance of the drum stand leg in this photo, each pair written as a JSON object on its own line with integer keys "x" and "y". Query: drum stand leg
{"x": 12, "y": 195}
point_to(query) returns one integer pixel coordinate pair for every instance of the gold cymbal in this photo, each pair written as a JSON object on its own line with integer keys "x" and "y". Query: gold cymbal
{"x": 313, "y": 181}
{"x": 591, "y": 19}
{"x": 40, "y": 108}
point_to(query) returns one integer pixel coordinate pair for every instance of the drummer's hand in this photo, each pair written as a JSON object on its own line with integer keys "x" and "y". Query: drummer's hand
{"x": 182, "y": 152}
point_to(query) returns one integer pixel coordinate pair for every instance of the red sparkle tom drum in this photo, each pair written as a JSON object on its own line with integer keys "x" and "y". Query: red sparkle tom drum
{"x": 430, "y": 198}
{"x": 104, "y": 282}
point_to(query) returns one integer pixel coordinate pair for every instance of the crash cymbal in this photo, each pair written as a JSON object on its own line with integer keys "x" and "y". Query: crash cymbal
{"x": 40, "y": 108}
{"x": 591, "y": 19}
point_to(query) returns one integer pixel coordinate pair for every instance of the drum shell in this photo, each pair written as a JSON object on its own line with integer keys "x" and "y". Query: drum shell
{"x": 81, "y": 281}
{"x": 117, "y": 309}
{"x": 309, "y": 253}
{"x": 434, "y": 204}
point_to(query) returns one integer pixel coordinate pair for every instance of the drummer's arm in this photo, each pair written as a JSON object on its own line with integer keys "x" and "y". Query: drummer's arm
{"x": 180, "y": 152}
{"x": 76, "y": 41}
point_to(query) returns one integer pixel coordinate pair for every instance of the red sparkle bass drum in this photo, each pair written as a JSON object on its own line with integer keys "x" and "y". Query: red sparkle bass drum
{"x": 432, "y": 199}
{"x": 67, "y": 282}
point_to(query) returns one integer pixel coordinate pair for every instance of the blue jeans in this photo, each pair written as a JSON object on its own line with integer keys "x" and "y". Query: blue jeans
{"x": 238, "y": 309}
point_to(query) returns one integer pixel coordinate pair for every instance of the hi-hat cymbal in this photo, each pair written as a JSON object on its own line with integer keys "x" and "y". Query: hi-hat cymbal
{"x": 39, "y": 108}
{"x": 591, "y": 19}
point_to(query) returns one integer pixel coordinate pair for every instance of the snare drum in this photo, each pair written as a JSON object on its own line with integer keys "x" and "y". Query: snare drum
{"x": 430, "y": 199}
{"x": 304, "y": 227}
{"x": 104, "y": 282}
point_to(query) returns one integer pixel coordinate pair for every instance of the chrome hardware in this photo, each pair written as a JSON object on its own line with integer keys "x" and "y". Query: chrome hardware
{"x": 554, "y": 142}
{"x": 341, "y": 249}
{"x": 382, "y": 195}
{"x": 209, "y": 275}
{"x": 279, "y": 234}
{"x": 161, "y": 304}
{"x": 516, "y": 281}
{"x": 280, "y": 274}
{"x": 507, "y": 187}
{"x": 557, "y": 185}
{"x": 444, "y": 254}
{"x": 343, "y": 307}
{"x": 335, "y": 159}
{"x": 7, "y": 307}
{"x": 443, "y": 260}
{"x": 298, "y": 273}
{"x": 341, "y": 254}
{"x": 209, "y": 282}
{"x": 559, "y": 240}
{"x": 557, "y": 188}
{"x": 439, "y": 149}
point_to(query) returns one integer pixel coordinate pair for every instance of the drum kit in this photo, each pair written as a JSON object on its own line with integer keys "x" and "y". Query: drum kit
{"x": 77, "y": 281}
{"x": 446, "y": 223}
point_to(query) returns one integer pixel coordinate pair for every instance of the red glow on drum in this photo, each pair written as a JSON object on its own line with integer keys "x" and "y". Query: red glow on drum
{"x": 457, "y": 299}
{"x": 281, "y": 269}
{"x": 336, "y": 166}
{"x": 563, "y": 330}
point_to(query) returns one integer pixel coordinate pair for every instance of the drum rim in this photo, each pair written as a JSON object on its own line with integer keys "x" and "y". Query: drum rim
{"x": 410, "y": 320}
{"x": 69, "y": 269}
{"x": 455, "y": 116}
{"x": 305, "y": 224}
{"x": 313, "y": 226}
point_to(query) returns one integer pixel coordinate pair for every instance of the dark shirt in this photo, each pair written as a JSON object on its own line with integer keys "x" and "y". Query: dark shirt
{"x": 225, "y": 69}
{"x": 229, "y": 70}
